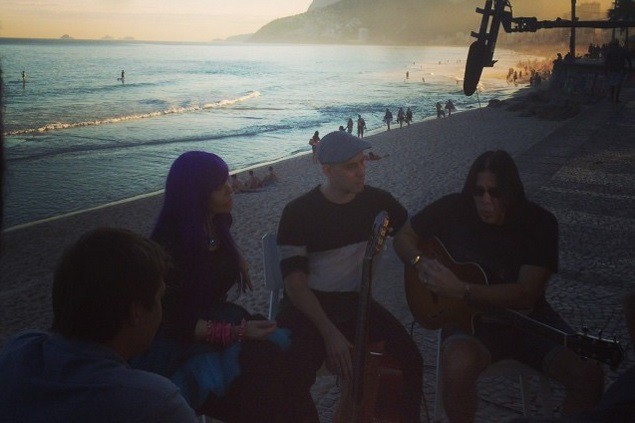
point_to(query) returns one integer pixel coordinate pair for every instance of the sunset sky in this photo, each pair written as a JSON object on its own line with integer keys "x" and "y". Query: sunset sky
{"x": 182, "y": 20}
{"x": 160, "y": 20}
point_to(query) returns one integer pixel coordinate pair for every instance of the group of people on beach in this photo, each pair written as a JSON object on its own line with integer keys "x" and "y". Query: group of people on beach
{"x": 144, "y": 328}
{"x": 401, "y": 117}
{"x": 253, "y": 182}
{"x": 449, "y": 107}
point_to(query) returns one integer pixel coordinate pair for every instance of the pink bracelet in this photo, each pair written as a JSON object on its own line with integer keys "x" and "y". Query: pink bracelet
{"x": 219, "y": 333}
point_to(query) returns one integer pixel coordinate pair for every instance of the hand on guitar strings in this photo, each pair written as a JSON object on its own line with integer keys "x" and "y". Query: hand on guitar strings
{"x": 440, "y": 280}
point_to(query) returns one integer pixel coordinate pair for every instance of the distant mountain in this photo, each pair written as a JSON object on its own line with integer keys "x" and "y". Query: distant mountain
{"x": 66, "y": 37}
{"x": 237, "y": 38}
{"x": 319, "y": 4}
{"x": 399, "y": 22}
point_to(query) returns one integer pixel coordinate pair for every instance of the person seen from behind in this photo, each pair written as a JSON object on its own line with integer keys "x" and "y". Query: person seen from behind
{"x": 107, "y": 293}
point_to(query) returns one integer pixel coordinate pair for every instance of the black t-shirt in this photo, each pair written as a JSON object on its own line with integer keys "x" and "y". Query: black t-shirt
{"x": 529, "y": 239}
{"x": 327, "y": 241}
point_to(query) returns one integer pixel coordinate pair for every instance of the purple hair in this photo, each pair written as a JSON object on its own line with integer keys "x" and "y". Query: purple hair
{"x": 181, "y": 224}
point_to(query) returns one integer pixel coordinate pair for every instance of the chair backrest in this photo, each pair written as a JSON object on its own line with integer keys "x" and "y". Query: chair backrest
{"x": 273, "y": 275}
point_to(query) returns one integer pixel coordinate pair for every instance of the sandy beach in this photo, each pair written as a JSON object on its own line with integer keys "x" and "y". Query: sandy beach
{"x": 419, "y": 164}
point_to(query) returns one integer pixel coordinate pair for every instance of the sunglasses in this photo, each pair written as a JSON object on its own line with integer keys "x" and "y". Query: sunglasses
{"x": 493, "y": 192}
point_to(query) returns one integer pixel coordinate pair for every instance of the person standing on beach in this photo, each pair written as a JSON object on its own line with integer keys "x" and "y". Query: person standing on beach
{"x": 314, "y": 141}
{"x": 408, "y": 116}
{"x": 401, "y": 117}
{"x": 440, "y": 112}
{"x": 449, "y": 106}
{"x": 23, "y": 79}
{"x": 227, "y": 362}
{"x": 106, "y": 298}
{"x": 361, "y": 125}
{"x": 349, "y": 126}
{"x": 123, "y": 76}
{"x": 615, "y": 60}
{"x": 388, "y": 118}
{"x": 322, "y": 237}
{"x": 515, "y": 242}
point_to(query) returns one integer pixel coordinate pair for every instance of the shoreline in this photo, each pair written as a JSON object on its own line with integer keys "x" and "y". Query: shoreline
{"x": 257, "y": 166}
{"x": 419, "y": 163}
{"x": 570, "y": 166}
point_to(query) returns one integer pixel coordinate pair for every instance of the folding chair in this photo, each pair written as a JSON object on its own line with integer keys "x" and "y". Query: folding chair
{"x": 273, "y": 276}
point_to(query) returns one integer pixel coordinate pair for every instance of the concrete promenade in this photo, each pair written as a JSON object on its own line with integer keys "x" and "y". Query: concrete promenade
{"x": 584, "y": 172}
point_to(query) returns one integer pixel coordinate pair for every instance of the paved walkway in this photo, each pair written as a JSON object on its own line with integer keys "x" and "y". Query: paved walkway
{"x": 584, "y": 174}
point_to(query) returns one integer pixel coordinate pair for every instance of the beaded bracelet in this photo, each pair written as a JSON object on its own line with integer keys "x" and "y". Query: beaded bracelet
{"x": 223, "y": 334}
{"x": 219, "y": 333}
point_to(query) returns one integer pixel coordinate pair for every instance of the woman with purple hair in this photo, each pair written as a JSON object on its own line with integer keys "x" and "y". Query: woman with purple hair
{"x": 227, "y": 363}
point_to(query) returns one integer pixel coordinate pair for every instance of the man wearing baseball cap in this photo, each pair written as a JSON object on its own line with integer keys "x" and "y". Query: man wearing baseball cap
{"x": 322, "y": 238}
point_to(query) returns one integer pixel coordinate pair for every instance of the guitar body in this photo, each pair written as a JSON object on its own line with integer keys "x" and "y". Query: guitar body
{"x": 429, "y": 309}
{"x": 382, "y": 387}
{"x": 434, "y": 312}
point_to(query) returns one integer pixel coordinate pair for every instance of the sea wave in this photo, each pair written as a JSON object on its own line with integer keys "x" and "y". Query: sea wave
{"x": 245, "y": 132}
{"x": 55, "y": 126}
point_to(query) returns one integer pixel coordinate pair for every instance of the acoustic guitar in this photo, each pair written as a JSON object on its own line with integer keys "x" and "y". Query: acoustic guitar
{"x": 373, "y": 392}
{"x": 433, "y": 311}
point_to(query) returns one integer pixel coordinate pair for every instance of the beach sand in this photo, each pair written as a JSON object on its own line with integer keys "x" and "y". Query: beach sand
{"x": 419, "y": 164}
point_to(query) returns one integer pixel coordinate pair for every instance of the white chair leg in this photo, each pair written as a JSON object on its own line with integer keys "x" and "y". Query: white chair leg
{"x": 438, "y": 395}
{"x": 545, "y": 397}
{"x": 524, "y": 394}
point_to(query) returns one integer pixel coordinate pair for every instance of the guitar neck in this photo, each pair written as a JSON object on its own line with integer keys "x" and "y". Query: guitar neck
{"x": 525, "y": 322}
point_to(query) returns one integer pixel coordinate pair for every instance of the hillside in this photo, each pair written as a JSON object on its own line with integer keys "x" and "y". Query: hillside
{"x": 394, "y": 22}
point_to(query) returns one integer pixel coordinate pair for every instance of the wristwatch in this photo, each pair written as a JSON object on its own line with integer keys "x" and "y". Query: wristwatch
{"x": 416, "y": 260}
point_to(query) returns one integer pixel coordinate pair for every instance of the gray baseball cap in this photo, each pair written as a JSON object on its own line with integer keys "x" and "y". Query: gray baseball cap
{"x": 340, "y": 147}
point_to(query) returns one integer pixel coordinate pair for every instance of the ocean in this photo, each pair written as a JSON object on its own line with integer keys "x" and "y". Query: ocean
{"x": 79, "y": 137}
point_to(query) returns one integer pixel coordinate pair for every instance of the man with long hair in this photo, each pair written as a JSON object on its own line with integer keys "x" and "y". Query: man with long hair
{"x": 515, "y": 242}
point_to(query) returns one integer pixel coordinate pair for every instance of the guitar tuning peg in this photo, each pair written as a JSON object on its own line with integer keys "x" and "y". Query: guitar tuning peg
{"x": 600, "y": 334}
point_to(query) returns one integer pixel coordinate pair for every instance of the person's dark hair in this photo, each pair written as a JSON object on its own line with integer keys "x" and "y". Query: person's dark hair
{"x": 181, "y": 224}
{"x": 99, "y": 277}
{"x": 501, "y": 164}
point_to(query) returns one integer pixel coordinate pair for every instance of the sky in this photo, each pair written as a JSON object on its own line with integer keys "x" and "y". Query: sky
{"x": 156, "y": 20}
{"x": 183, "y": 20}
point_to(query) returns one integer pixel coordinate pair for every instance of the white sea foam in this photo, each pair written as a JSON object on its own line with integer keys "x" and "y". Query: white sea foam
{"x": 173, "y": 110}
{"x": 81, "y": 141}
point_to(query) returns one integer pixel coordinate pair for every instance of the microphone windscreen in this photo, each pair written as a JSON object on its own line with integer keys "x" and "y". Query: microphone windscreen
{"x": 474, "y": 66}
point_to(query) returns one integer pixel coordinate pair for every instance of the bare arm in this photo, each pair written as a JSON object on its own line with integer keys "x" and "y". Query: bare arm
{"x": 405, "y": 243}
{"x": 532, "y": 280}
{"x": 523, "y": 295}
{"x": 336, "y": 344}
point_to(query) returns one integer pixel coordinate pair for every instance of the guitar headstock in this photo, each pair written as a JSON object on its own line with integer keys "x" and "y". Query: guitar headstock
{"x": 605, "y": 350}
{"x": 378, "y": 235}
